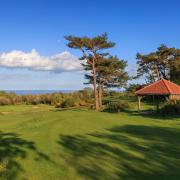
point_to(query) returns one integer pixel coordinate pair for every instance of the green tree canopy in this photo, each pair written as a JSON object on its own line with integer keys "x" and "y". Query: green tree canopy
{"x": 163, "y": 63}
{"x": 110, "y": 73}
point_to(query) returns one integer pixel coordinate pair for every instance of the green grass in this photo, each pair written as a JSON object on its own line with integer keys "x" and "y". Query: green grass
{"x": 43, "y": 143}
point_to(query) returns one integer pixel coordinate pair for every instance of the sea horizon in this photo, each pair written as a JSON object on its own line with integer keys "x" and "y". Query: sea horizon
{"x": 21, "y": 92}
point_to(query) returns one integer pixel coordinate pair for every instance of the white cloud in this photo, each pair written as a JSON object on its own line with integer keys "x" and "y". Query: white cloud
{"x": 61, "y": 62}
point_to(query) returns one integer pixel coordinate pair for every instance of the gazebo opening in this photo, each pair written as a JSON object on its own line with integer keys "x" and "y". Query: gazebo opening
{"x": 158, "y": 89}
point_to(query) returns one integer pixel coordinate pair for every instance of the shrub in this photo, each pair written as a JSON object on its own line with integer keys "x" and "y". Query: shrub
{"x": 171, "y": 109}
{"x": 57, "y": 105}
{"x": 17, "y": 100}
{"x": 5, "y": 101}
{"x": 45, "y": 99}
{"x": 82, "y": 103}
{"x": 68, "y": 103}
{"x": 79, "y": 98}
{"x": 116, "y": 106}
{"x": 105, "y": 101}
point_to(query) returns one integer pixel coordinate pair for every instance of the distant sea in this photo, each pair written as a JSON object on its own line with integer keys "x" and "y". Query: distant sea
{"x": 20, "y": 92}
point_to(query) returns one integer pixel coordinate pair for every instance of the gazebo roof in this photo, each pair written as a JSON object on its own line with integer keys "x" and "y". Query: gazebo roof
{"x": 161, "y": 87}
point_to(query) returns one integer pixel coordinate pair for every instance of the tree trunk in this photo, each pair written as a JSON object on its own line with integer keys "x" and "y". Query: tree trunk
{"x": 157, "y": 72}
{"x": 94, "y": 85}
{"x": 100, "y": 95}
{"x": 139, "y": 103}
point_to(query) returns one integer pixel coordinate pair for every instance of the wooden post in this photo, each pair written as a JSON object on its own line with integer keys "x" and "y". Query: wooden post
{"x": 139, "y": 103}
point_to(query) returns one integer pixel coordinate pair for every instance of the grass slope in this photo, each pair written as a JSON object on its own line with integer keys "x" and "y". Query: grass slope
{"x": 43, "y": 143}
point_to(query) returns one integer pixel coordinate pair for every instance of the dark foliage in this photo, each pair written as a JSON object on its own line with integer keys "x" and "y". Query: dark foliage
{"x": 68, "y": 103}
{"x": 116, "y": 106}
{"x": 170, "y": 109}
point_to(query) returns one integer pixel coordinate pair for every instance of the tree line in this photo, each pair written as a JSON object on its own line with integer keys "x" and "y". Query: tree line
{"x": 104, "y": 70}
{"x": 74, "y": 99}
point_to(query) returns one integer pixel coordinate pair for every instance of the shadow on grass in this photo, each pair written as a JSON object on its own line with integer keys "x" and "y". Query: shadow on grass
{"x": 153, "y": 114}
{"x": 77, "y": 109}
{"x": 125, "y": 152}
{"x": 147, "y": 113}
{"x": 12, "y": 147}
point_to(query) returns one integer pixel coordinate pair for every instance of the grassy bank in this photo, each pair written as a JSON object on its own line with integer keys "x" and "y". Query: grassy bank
{"x": 42, "y": 142}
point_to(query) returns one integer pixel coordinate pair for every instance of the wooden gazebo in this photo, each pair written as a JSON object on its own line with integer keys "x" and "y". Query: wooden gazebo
{"x": 159, "y": 88}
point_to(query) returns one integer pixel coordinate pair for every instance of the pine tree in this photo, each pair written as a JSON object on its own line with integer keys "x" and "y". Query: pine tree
{"x": 163, "y": 63}
{"x": 110, "y": 73}
{"x": 92, "y": 50}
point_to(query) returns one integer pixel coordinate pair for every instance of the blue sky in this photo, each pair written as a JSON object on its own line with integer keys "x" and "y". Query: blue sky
{"x": 134, "y": 25}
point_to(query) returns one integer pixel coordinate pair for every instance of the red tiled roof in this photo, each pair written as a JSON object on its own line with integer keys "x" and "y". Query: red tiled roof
{"x": 161, "y": 87}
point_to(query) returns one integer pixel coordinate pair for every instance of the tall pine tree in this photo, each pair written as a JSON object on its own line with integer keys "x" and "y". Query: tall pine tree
{"x": 92, "y": 50}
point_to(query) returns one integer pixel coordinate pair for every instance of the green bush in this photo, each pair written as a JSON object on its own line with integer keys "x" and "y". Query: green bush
{"x": 116, "y": 106}
{"x": 171, "y": 109}
{"x": 68, "y": 103}
{"x": 105, "y": 101}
